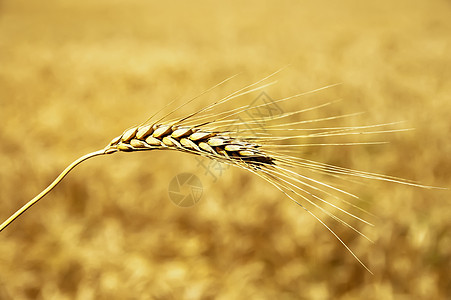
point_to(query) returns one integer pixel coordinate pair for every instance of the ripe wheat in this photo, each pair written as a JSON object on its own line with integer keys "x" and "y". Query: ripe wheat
{"x": 265, "y": 147}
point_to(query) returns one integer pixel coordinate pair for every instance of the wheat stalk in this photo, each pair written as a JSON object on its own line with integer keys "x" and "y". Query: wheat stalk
{"x": 267, "y": 153}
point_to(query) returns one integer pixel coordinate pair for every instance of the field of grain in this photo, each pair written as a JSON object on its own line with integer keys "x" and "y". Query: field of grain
{"x": 75, "y": 74}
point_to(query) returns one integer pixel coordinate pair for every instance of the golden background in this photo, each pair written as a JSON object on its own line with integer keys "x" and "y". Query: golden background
{"x": 75, "y": 74}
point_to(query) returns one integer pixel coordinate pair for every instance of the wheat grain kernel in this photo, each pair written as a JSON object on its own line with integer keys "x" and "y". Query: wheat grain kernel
{"x": 189, "y": 144}
{"x": 181, "y": 132}
{"x": 115, "y": 140}
{"x": 204, "y": 146}
{"x": 201, "y": 135}
{"x": 144, "y": 131}
{"x": 168, "y": 141}
{"x": 135, "y": 143}
{"x": 124, "y": 147}
{"x": 153, "y": 141}
{"x": 216, "y": 142}
{"x": 128, "y": 134}
{"x": 233, "y": 148}
{"x": 161, "y": 131}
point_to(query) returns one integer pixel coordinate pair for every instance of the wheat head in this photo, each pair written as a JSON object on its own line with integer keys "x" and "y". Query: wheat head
{"x": 267, "y": 151}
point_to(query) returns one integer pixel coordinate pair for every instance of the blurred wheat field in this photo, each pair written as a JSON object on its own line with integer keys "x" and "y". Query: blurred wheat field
{"x": 74, "y": 74}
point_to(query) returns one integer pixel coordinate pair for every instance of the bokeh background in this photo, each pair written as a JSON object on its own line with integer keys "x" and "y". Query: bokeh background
{"x": 74, "y": 74}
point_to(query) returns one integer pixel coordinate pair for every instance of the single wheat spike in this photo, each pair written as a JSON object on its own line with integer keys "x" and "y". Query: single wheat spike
{"x": 267, "y": 147}
{"x": 215, "y": 145}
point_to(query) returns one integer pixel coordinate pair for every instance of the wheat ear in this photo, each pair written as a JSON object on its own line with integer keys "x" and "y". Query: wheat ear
{"x": 272, "y": 153}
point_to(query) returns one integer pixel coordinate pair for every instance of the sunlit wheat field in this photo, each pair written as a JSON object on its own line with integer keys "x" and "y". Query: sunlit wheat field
{"x": 76, "y": 74}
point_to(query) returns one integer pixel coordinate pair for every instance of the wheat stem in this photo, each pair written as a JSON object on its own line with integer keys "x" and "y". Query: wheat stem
{"x": 50, "y": 187}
